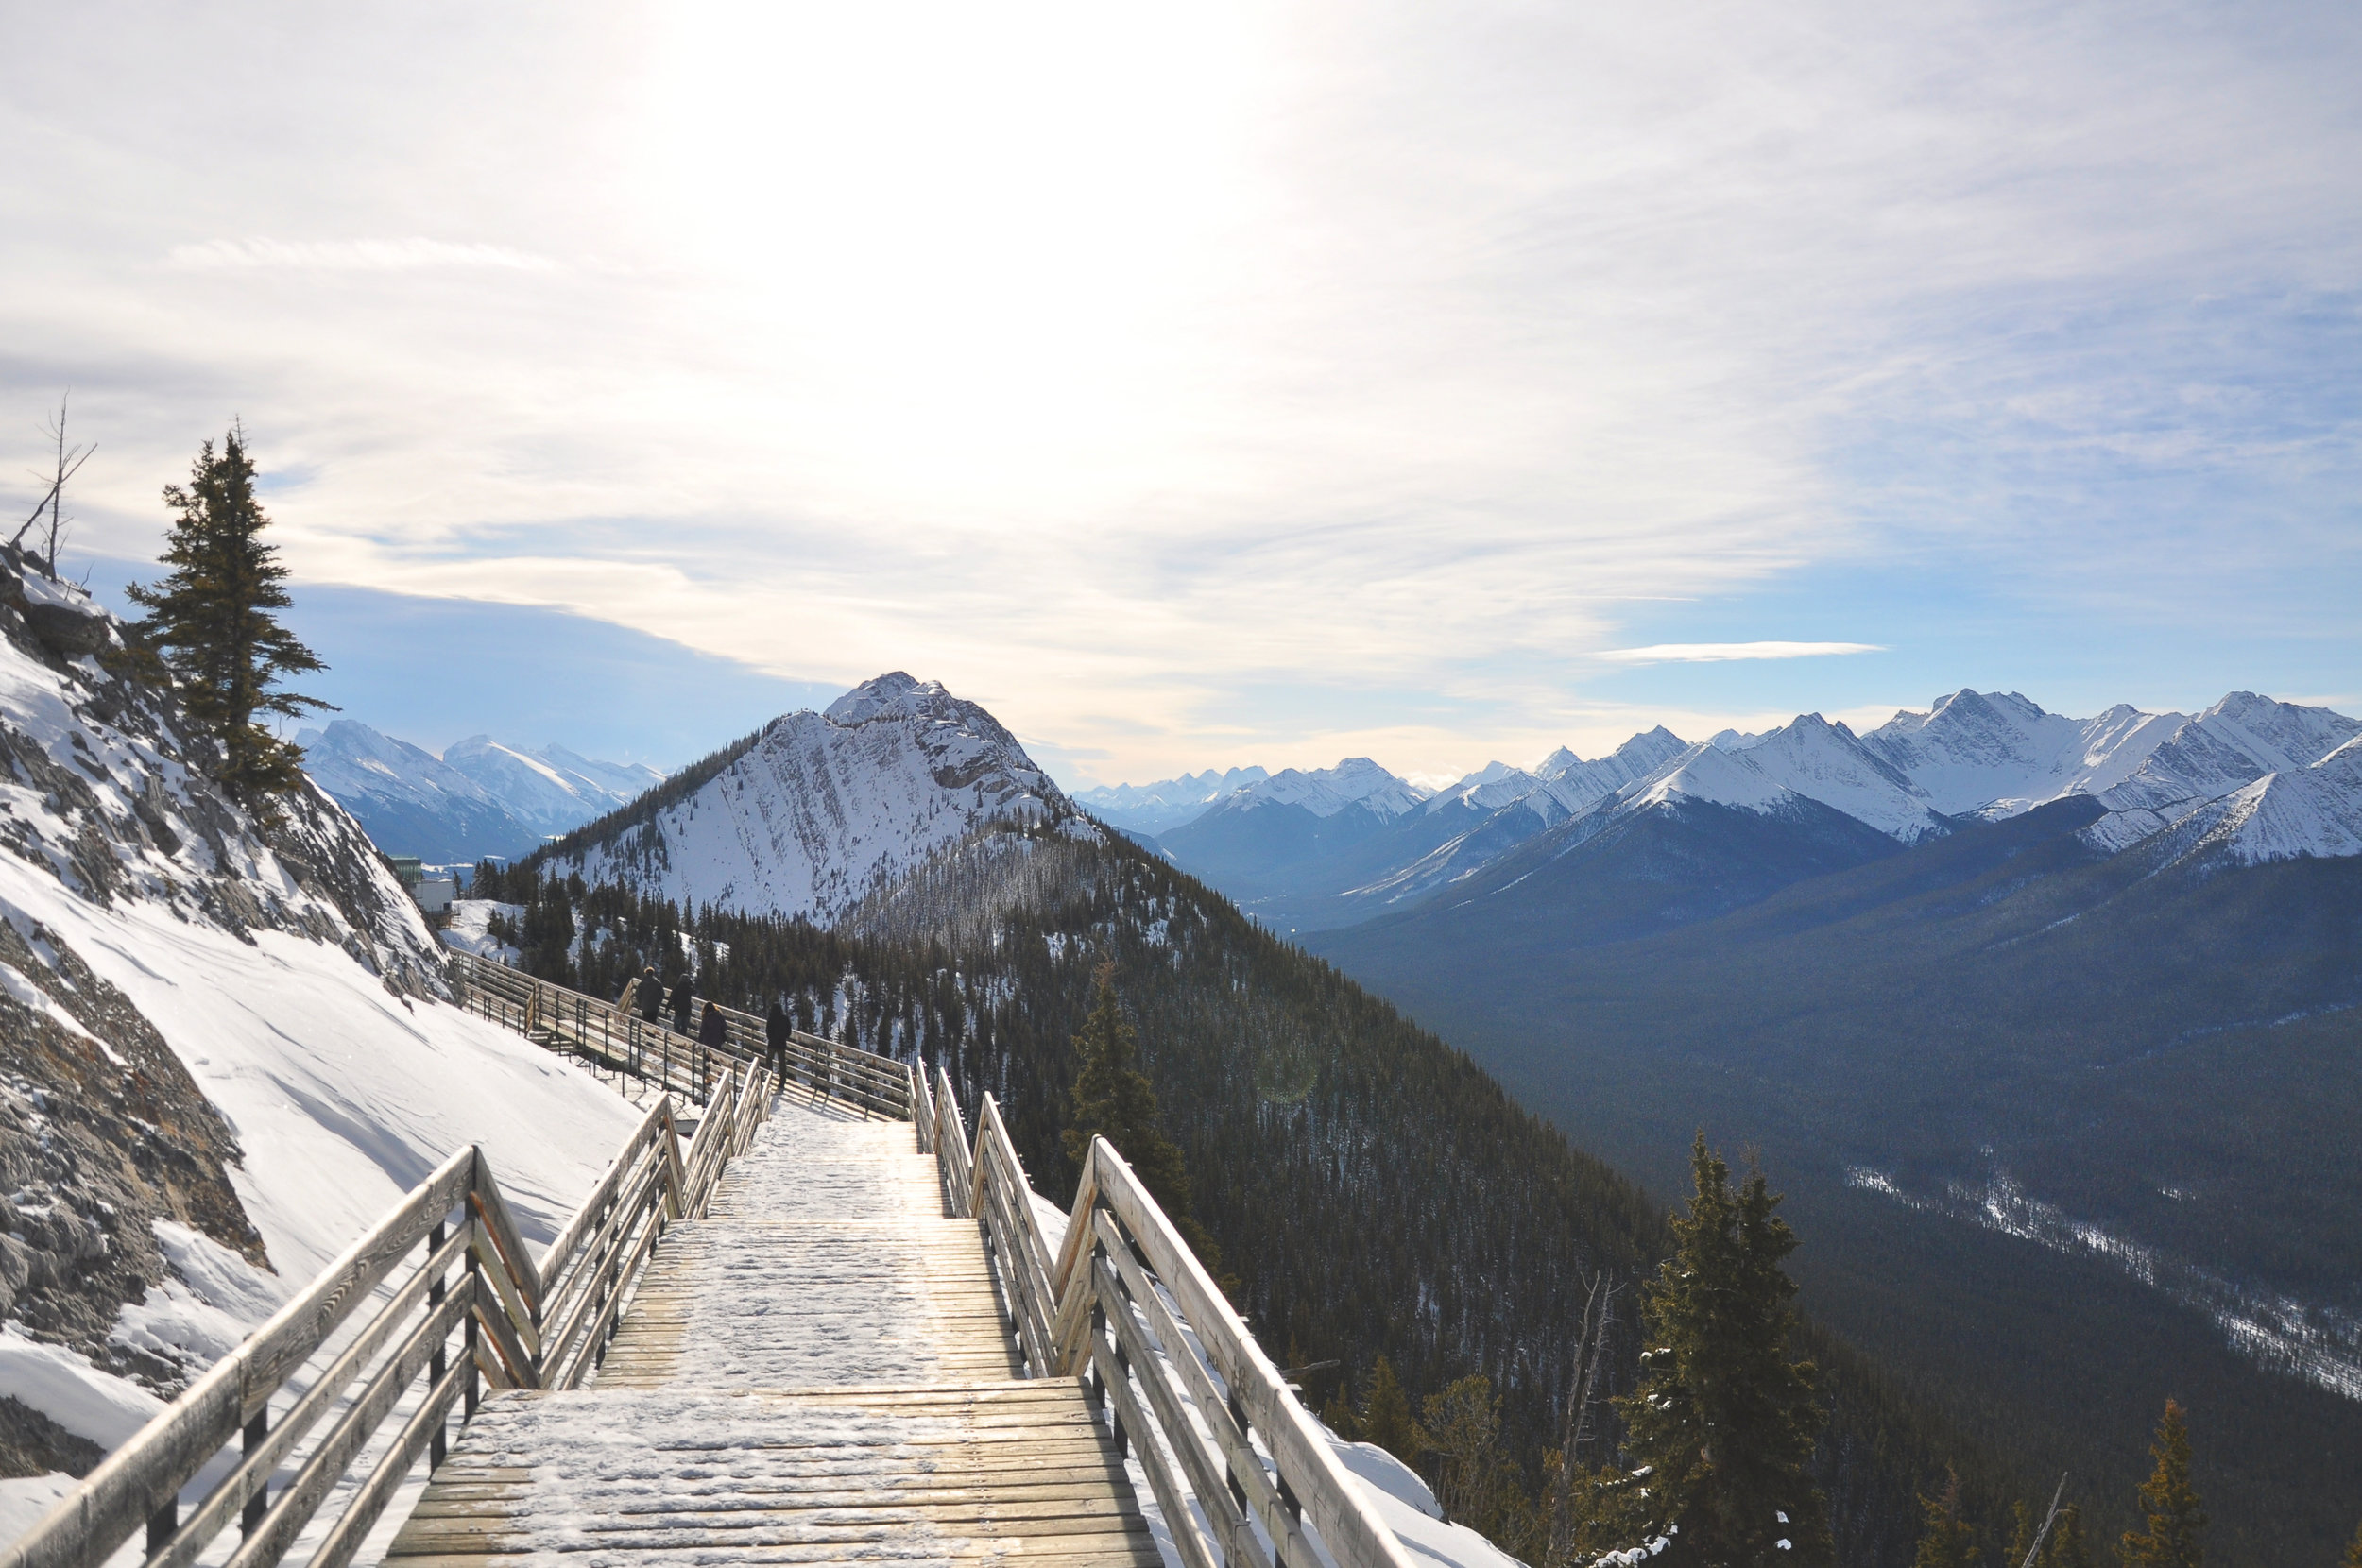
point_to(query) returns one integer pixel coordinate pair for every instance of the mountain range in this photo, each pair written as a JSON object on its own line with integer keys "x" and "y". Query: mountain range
{"x": 2046, "y": 1024}
{"x": 478, "y": 798}
{"x": 1320, "y": 850}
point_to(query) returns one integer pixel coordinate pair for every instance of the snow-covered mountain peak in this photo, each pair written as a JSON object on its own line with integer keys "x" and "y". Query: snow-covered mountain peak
{"x": 821, "y": 808}
{"x": 1997, "y": 754}
{"x": 1706, "y": 773}
{"x": 895, "y": 695}
{"x": 2311, "y": 811}
{"x": 2282, "y": 736}
{"x": 1827, "y": 761}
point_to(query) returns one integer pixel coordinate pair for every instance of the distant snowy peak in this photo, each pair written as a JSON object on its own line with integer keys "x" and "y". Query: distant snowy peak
{"x": 2231, "y": 745}
{"x": 2312, "y": 811}
{"x": 1999, "y": 753}
{"x": 824, "y": 808}
{"x": 553, "y": 790}
{"x": 1151, "y": 809}
{"x": 1325, "y": 791}
{"x": 1577, "y": 784}
{"x": 1808, "y": 760}
{"x": 478, "y": 798}
{"x": 1708, "y": 774}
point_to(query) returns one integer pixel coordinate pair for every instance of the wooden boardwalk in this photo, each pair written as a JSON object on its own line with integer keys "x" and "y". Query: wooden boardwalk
{"x": 819, "y": 1371}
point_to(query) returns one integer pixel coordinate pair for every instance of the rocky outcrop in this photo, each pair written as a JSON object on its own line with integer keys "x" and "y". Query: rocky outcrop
{"x": 102, "y": 1133}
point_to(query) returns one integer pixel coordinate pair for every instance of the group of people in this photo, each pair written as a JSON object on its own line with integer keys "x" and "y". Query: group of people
{"x": 644, "y": 995}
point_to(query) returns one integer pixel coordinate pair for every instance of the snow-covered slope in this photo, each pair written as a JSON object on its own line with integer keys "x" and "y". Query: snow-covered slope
{"x": 410, "y": 801}
{"x": 227, "y": 1050}
{"x": 824, "y": 807}
{"x": 551, "y": 790}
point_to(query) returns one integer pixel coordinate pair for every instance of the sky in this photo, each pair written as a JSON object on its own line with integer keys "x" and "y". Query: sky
{"x": 1209, "y": 385}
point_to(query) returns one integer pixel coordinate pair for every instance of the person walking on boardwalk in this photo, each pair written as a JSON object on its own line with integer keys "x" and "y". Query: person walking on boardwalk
{"x": 684, "y": 1006}
{"x": 713, "y": 1033}
{"x": 775, "y": 1037}
{"x": 651, "y": 995}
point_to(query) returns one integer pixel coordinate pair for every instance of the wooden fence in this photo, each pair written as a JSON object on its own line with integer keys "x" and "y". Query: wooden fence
{"x": 566, "y": 1019}
{"x": 475, "y": 1309}
{"x": 1244, "y": 1475}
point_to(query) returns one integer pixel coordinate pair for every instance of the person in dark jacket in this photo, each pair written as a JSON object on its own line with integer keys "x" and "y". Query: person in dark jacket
{"x": 684, "y": 1004}
{"x": 650, "y": 996}
{"x": 713, "y": 1029}
{"x": 774, "y": 1036}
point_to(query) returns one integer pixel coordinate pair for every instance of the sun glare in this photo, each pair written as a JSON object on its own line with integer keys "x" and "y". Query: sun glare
{"x": 978, "y": 228}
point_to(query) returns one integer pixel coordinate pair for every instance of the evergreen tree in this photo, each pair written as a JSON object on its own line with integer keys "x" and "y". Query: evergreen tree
{"x": 2174, "y": 1536}
{"x": 211, "y": 620}
{"x": 1948, "y": 1542}
{"x": 1724, "y": 1422}
{"x": 1113, "y": 1099}
{"x": 1386, "y": 1418}
{"x": 2066, "y": 1547}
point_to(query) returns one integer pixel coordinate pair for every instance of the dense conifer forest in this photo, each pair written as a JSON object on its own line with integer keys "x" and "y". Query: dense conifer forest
{"x": 1373, "y": 1192}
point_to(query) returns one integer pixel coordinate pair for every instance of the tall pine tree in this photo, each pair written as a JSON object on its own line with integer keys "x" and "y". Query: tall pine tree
{"x": 1113, "y": 1099}
{"x": 212, "y": 621}
{"x": 2174, "y": 1535}
{"x": 1723, "y": 1420}
{"x": 1386, "y": 1419}
{"x": 1947, "y": 1542}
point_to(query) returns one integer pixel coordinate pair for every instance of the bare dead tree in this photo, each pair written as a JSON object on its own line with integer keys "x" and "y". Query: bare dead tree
{"x": 2047, "y": 1520}
{"x": 69, "y": 463}
{"x": 1582, "y": 1431}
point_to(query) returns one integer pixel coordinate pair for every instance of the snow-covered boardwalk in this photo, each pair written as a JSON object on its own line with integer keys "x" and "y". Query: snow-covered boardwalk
{"x": 817, "y": 1371}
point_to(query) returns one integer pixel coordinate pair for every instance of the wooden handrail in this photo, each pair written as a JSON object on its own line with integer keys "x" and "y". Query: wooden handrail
{"x": 570, "y": 1019}
{"x": 476, "y": 1284}
{"x": 1126, "y": 1304}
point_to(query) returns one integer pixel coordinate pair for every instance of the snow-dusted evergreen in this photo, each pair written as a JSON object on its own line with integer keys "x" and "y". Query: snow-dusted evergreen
{"x": 824, "y": 808}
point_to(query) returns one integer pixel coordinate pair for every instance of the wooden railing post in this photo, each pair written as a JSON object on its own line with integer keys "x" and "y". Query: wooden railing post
{"x": 434, "y": 1361}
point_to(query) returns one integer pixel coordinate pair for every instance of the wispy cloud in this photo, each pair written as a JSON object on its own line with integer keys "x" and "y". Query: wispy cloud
{"x": 351, "y": 256}
{"x": 1359, "y": 376}
{"x": 1722, "y": 652}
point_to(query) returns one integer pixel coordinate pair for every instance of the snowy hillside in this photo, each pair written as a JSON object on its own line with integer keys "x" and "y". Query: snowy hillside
{"x": 228, "y": 1054}
{"x": 824, "y": 807}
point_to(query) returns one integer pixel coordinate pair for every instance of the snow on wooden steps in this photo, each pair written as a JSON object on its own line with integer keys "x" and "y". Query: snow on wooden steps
{"x": 819, "y": 1371}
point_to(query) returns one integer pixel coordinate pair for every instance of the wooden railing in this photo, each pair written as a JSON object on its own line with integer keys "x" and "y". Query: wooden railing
{"x": 475, "y": 1309}
{"x": 570, "y": 1020}
{"x": 1244, "y": 1475}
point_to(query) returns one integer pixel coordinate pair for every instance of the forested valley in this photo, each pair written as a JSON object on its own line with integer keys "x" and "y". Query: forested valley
{"x": 1373, "y": 1192}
